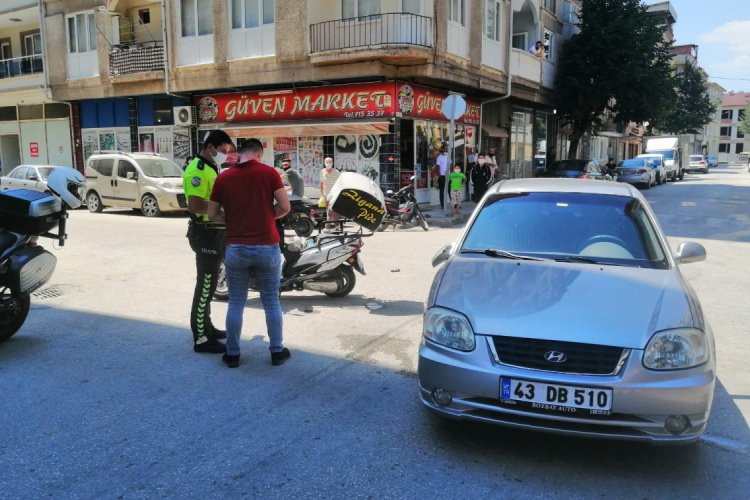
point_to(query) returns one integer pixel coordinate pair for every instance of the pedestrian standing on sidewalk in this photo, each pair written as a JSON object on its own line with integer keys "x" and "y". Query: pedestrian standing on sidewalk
{"x": 480, "y": 177}
{"x": 328, "y": 178}
{"x": 457, "y": 182}
{"x": 206, "y": 238}
{"x": 442, "y": 163}
{"x": 243, "y": 198}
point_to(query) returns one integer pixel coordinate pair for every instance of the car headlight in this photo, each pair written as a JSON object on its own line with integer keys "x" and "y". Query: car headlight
{"x": 448, "y": 328}
{"x": 676, "y": 349}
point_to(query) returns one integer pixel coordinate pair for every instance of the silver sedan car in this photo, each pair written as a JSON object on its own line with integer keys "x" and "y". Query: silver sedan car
{"x": 32, "y": 177}
{"x": 561, "y": 308}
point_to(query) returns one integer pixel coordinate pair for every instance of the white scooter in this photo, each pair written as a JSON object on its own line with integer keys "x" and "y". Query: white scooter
{"x": 323, "y": 263}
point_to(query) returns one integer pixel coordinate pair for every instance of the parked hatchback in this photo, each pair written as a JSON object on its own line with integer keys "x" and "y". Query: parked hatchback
{"x": 145, "y": 181}
{"x": 32, "y": 177}
{"x": 578, "y": 169}
{"x": 561, "y": 308}
{"x": 712, "y": 161}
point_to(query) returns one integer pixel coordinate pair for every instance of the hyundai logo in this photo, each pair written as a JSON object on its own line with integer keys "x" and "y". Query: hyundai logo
{"x": 555, "y": 356}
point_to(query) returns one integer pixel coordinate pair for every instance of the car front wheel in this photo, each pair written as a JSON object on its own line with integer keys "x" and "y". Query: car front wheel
{"x": 149, "y": 206}
{"x": 93, "y": 202}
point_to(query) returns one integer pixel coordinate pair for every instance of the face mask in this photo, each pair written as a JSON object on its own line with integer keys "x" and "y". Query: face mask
{"x": 456, "y": 170}
{"x": 220, "y": 158}
{"x": 329, "y": 165}
{"x": 482, "y": 161}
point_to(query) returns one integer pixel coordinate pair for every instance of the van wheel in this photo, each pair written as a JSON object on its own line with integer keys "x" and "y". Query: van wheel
{"x": 93, "y": 202}
{"x": 149, "y": 206}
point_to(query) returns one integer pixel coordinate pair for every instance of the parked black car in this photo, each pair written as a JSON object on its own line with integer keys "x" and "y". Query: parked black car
{"x": 579, "y": 169}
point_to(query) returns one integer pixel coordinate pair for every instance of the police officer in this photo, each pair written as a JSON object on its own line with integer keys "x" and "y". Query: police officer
{"x": 206, "y": 238}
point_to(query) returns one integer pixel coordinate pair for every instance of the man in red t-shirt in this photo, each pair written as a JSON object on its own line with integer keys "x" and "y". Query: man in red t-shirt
{"x": 243, "y": 198}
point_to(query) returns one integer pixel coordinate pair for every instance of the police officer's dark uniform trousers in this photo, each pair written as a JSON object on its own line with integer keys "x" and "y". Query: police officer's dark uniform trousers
{"x": 207, "y": 240}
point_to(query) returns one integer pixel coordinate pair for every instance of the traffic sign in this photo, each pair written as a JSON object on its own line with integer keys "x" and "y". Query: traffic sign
{"x": 454, "y": 107}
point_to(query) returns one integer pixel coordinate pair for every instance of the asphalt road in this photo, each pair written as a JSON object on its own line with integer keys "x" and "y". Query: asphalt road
{"x": 104, "y": 398}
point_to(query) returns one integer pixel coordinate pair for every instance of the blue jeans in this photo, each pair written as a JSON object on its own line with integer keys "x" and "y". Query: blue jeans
{"x": 263, "y": 263}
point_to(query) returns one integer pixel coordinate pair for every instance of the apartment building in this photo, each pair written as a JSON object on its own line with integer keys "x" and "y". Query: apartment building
{"x": 34, "y": 129}
{"x": 360, "y": 80}
{"x": 732, "y": 142}
{"x": 712, "y": 131}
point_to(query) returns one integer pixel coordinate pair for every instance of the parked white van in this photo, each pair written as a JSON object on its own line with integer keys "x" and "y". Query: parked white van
{"x": 145, "y": 181}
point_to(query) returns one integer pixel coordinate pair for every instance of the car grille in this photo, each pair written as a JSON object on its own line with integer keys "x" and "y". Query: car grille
{"x": 588, "y": 359}
{"x": 181, "y": 201}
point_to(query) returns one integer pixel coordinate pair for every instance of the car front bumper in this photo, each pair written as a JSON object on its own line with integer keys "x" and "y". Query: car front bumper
{"x": 641, "y": 399}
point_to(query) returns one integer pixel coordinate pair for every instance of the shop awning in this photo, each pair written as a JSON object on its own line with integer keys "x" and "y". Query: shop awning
{"x": 309, "y": 129}
{"x": 494, "y": 131}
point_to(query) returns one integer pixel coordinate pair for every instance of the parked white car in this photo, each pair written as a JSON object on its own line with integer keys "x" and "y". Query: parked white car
{"x": 145, "y": 181}
{"x": 32, "y": 177}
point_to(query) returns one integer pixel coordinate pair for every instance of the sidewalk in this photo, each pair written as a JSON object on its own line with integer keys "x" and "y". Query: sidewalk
{"x": 437, "y": 217}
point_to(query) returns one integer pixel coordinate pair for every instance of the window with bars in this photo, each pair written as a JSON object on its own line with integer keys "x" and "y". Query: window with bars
{"x": 359, "y": 8}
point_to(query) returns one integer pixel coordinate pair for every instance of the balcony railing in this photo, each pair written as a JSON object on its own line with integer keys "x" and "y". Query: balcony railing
{"x": 127, "y": 59}
{"x": 21, "y": 66}
{"x": 399, "y": 28}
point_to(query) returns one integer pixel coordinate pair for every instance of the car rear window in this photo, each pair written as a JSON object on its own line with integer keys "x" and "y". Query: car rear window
{"x": 612, "y": 229}
{"x": 569, "y": 165}
{"x": 696, "y": 158}
{"x": 633, "y": 162}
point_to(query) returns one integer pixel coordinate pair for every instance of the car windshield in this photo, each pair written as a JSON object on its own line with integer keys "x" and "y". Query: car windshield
{"x": 572, "y": 227}
{"x": 634, "y": 162}
{"x": 569, "y": 165}
{"x": 44, "y": 172}
{"x": 668, "y": 153}
{"x": 159, "y": 168}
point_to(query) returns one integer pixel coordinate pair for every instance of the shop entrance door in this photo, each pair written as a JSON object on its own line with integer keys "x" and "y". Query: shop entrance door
{"x": 10, "y": 154}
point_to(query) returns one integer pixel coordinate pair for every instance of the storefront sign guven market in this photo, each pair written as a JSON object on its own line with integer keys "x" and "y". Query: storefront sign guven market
{"x": 380, "y": 100}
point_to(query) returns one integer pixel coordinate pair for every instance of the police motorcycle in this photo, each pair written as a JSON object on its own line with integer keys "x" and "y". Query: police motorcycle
{"x": 24, "y": 265}
{"x": 326, "y": 262}
{"x": 402, "y": 209}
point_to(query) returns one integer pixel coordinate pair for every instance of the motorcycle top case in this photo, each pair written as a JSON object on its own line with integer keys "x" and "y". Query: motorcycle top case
{"x": 29, "y": 212}
{"x": 357, "y": 197}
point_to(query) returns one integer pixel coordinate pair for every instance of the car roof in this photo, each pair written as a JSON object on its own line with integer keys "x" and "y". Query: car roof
{"x": 135, "y": 154}
{"x": 650, "y": 155}
{"x": 557, "y": 185}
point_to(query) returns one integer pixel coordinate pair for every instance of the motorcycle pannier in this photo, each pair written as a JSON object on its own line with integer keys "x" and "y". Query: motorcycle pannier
{"x": 29, "y": 212}
{"x": 358, "y": 198}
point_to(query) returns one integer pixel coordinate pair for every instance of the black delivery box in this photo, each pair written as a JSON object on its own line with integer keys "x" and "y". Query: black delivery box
{"x": 29, "y": 212}
{"x": 357, "y": 197}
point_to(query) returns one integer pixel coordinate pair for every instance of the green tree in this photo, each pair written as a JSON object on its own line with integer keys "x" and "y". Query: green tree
{"x": 744, "y": 125}
{"x": 690, "y": 107}
{"x": 619, "y": 61}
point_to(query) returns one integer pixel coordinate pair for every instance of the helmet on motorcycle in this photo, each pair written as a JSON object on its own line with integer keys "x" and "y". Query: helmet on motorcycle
{"x": 67, "y": 183}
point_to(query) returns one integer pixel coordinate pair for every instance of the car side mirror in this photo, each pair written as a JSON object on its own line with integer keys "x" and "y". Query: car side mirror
{"x": 33, "y": 177}
{"x": 130, "y": 176}
{"x": 689, "y": 251}
{"x": 442, "y": 255}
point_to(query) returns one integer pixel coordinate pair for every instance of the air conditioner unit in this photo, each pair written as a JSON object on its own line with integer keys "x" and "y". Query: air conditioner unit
{"x": 185, "y": 116}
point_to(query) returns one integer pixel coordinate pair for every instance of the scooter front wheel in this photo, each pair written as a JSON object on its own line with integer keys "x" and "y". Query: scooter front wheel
{"x": 345, "y": 280}
{"x": 14, "y": 309}
{"x": 420, "y": 218}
